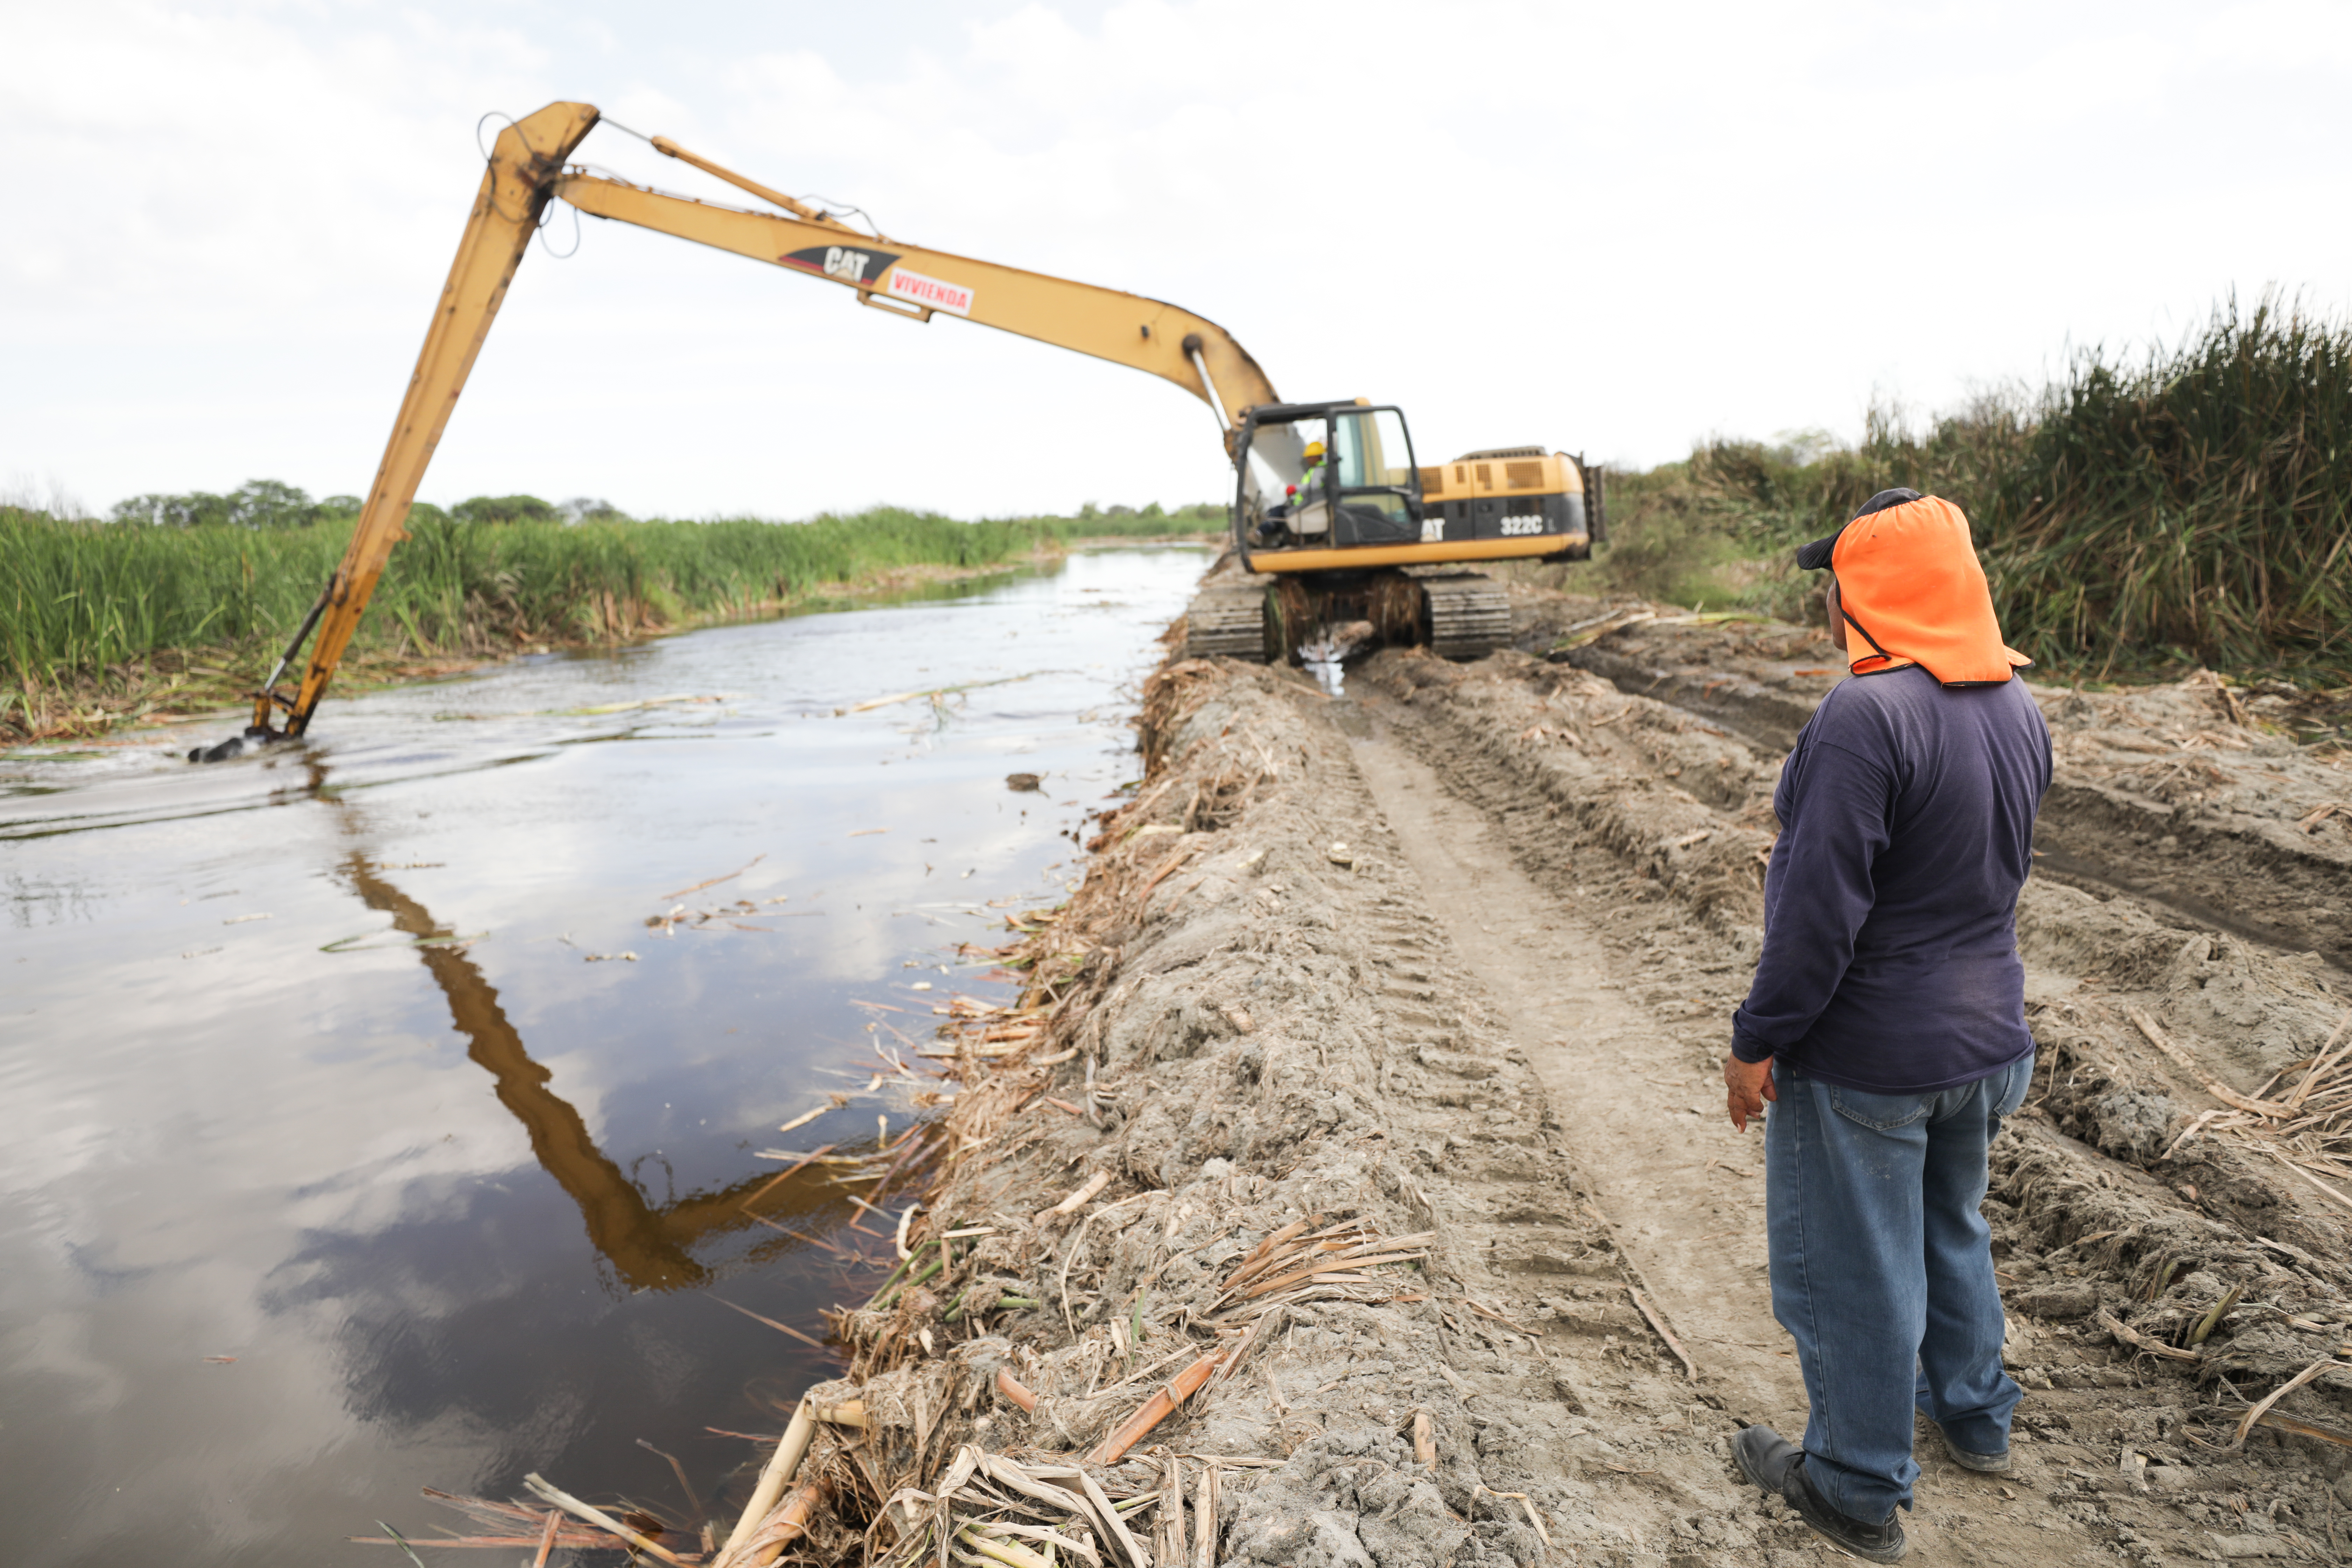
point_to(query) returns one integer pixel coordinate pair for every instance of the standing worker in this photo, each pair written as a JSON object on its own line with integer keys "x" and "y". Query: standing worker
{"x": 1887, "y": 1023}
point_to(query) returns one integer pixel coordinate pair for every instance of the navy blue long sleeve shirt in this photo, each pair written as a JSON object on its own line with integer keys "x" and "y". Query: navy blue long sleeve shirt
{"x": 1890, "y": 956}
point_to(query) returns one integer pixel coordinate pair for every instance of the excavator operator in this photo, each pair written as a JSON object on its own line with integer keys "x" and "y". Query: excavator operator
{"x": 1301, "y": 493}
{"x": 1297, "y": 494}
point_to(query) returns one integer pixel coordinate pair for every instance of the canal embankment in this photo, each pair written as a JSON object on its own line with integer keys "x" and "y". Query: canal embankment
{"x": 1350, "y": 1183}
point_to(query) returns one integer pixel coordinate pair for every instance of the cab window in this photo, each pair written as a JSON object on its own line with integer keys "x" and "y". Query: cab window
{"x": 1369, "y": 449}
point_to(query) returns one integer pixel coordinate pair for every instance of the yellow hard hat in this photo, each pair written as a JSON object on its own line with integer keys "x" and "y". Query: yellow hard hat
{"x": 1314, "y": 450}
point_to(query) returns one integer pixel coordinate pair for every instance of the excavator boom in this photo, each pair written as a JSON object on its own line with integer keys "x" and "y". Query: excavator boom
{"x": 514, "y": 191}
{"x": 528, "y": 169}
{"x": 907, "y": 280}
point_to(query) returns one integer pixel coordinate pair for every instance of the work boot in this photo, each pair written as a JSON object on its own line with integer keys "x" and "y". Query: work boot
{"x": 1764, "y": 1458}
{"x": 1773, "y": 1463}
{"x": 1983, "y": 1464}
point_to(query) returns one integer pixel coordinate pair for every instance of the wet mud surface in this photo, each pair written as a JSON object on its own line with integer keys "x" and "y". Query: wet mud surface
{"x": 1450, "y": 961}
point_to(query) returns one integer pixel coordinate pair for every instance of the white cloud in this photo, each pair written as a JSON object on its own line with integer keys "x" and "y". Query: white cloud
{"x": 1611, "y": 228}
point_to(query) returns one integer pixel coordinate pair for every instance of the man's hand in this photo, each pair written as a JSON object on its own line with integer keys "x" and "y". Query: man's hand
{"x": 1751, "y": 1084}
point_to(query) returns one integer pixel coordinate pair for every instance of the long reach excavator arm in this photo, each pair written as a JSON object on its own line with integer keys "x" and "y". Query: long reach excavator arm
{"x": 529, "y": 167}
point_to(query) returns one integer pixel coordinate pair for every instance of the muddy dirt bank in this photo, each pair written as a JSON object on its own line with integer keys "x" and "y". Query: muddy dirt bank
{"x": 1435, "y": 979}
{"x": 2199, "y": 794}
{"x": 1278, "y": 1038}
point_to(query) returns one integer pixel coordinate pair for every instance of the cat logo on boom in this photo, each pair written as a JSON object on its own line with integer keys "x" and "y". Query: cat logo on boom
{"x": 840, "y": 262}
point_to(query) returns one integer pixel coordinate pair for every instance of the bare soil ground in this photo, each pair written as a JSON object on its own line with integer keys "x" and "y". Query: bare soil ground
{"x": 2196, "y": 794}
{"x": 1444, "y": 968}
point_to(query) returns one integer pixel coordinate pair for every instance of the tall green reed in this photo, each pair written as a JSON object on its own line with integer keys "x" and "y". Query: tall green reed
{"x": 78, "y": 597}
{"x": 2194, "y": 503}
{"x": 2189, "y": 504}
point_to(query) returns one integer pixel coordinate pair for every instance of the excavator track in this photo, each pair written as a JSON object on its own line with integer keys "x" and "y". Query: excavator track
{"x": 1226, "y": 621}
{"x": 1469, "y": 615}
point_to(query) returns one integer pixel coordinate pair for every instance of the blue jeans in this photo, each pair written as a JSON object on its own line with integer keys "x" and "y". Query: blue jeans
{"x": 1882, "y": 1272}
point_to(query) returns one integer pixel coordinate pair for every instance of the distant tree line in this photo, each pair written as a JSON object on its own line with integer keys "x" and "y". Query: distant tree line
{"x": 1203, "y": 517}
{"x": 269, "y": 504}
{"x": 257, "y": 504}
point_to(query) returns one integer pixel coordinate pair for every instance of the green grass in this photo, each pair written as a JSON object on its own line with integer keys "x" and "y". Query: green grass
{"x": 85, "y": 602}
{"x": 2187, "y": 505}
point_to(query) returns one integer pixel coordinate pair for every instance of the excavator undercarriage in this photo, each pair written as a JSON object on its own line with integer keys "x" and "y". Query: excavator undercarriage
{"x": 1232, "y": 621}
{"x": 1467, "y": 616}
{"x": 1455, "y": 615}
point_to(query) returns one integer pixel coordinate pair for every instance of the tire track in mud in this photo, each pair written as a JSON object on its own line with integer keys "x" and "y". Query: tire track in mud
{"x": 1626, "y": 1049}
{"x": 1563, "y": 773}
{"x": 1683, "y": 1192}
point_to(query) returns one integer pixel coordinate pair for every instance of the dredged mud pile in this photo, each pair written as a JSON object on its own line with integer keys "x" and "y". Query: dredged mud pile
{"x": 1435, "y": 980}
{"x": 1277, "y": 1040}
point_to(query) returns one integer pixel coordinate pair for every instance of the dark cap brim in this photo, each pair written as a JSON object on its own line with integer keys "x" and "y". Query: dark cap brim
{"x": 1816, "y": 555}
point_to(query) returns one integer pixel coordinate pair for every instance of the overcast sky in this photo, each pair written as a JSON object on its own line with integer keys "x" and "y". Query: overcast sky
{"x": 1608, "y": 228}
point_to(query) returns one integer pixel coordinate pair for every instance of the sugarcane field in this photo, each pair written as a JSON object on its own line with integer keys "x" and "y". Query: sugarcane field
{"x": 1689, "y": 907}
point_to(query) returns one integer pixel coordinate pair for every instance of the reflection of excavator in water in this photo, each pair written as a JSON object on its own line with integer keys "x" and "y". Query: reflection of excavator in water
{"x": 649, "y": 1248}
{"x": 1339, "y": 538}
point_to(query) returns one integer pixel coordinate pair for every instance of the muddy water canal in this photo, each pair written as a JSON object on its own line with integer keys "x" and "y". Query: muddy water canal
{"x": 362, "y": 1134}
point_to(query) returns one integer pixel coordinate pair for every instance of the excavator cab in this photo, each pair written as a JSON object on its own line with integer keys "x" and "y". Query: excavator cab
{"x": 1373, "y": 471}
{"x": 1366, "y": 491}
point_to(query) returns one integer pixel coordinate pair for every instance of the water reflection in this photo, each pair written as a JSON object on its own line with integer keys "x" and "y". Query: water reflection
{"x": 228, "y": 1140}
{"x": 648, "y": 1247}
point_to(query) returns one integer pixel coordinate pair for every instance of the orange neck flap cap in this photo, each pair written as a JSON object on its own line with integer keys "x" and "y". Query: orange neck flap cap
{"x": 1914, "y": 593}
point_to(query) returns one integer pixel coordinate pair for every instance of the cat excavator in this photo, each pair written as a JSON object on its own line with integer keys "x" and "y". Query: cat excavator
{"x": 1366, "y": 535}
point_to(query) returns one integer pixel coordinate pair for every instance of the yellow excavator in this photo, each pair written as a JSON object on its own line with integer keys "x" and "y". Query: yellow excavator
{"x": 1330, "y": 507}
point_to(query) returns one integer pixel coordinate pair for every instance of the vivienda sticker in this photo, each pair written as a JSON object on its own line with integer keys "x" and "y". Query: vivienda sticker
{"x": 916, "y": 289}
